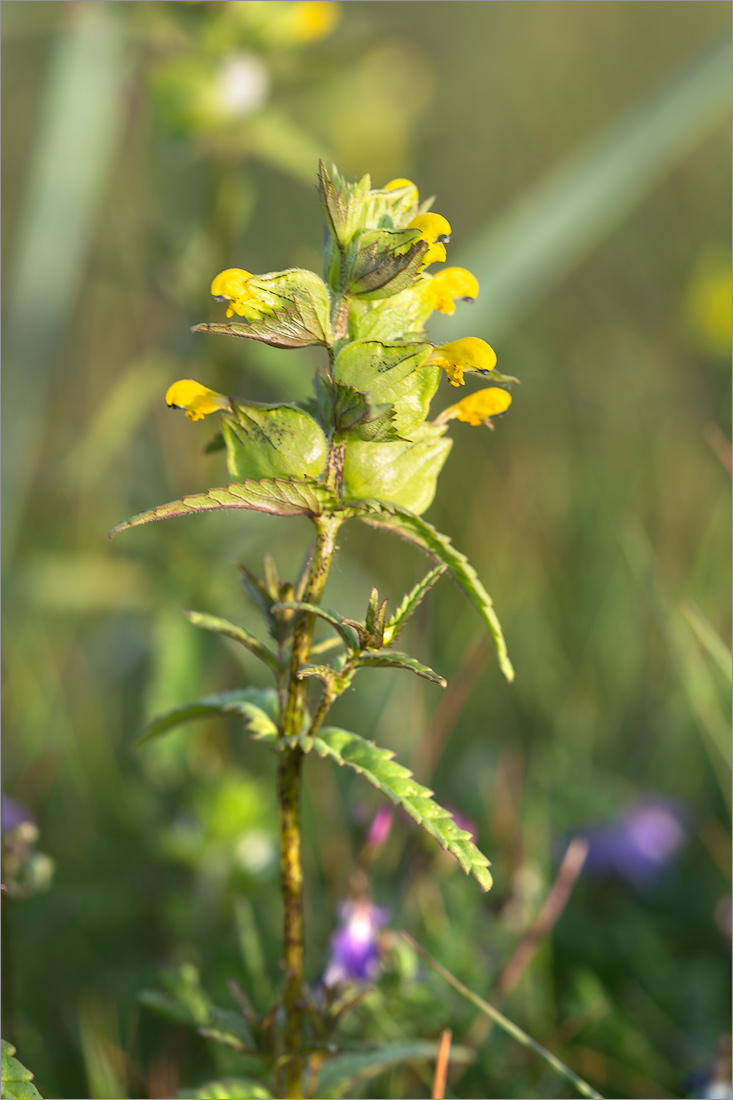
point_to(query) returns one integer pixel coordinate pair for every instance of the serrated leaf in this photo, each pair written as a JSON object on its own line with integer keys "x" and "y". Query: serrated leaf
{"x": 424, "y": 535}
{"x": 354, "y": 412}
{"x": 273, "y": 441}
{"x": 396, "y": 624}
{"x": 17, "y": 1081}
{"x": 322, "y": 613}
{"x": 386, "y": 658}
{"x": 384, "y": 262}
{"x": 228, "y": 1088}
{"x": 276, "y": 496}
{"x": 379, "y": 768}
{"x": 342, "y": 203}
{"x": 228, "y": 1027}
{"x": 237, "y": 633}
{"x": 258, "y": 707}
{"x": 344, "y": 1069}
{"x": 299, "y": 306}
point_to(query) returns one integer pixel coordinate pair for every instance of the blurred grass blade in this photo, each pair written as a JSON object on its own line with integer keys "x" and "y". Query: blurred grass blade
{"x": 511, "y": 1029}
{"x": 556, "y": 223}
{"x": 711, "y": 715}
{"x": 708, "y": 637}
{"x": 80, "y": 124}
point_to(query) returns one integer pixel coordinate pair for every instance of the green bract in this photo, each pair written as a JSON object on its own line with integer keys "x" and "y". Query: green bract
{"x": 405, "y": 472}
{"x": 265, "y": 441}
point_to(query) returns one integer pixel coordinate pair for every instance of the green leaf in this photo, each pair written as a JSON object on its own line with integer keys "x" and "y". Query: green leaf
{"x": 395, "y": 781}
{"x": 331, "y": 617}
{"x": 352, "y": 411}
{"x": 395, "y": 625}
{"x": 257, "y": 706}
{"x": 391, "y": 374}
{"x": 229, "y": 1028}
{"x": 229, "y": 1088}
{"x": 17, "y": 1081}
{"x": 384, "y": 262}
{"x": 342, "y": 1071}
{"x": 266, "y": 441}
{"x": 342, "y": 203}
{"x": 238, "y": 633}
{"x": 299, "y": 302}
{"x": 424, "y": 535}
{"x": 276, "y": 496}
{"x": 404, "y": 472}
{"x": 387, "y": 658}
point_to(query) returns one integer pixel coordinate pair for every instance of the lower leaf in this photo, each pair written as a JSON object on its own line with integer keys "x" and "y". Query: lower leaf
{"x": 395, "y": 781}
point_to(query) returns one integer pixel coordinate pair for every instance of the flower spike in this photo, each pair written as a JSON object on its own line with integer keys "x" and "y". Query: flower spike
{"x": 197, "y": 400}
{"x": 478, "y": 407}
{"x": 468, "y": 354}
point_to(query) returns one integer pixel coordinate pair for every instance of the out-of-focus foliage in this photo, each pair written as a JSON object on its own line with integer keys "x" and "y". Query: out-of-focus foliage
{"x": 148, "y": 146}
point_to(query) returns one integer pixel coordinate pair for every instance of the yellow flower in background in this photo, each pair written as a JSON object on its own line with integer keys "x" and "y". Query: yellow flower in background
{"x": 448, "y": 285}
{"x": 232, "y": 286}
{"x": 311, "y": 20}
{"x": 478, "y": 407}
{"x": 197, "y": 400}
{"x": 468, "y": 354}
{"x": 708, "y": 305}
{"x": 436, "y": 230}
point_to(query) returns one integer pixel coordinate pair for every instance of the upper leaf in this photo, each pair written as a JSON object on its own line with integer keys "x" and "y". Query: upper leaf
{"x": 393, "y": 628}
{"x": 276, "y": 496}
{"x": 389, "y": 658}
{"x": 238, "y": 634}
{"x": 299, "y": 302}
{"x": 342, "y": 203}
{"x": 424, "y": 535}
{"x": 384, "y": 262}
{"x": 380, "y": 769}
{"x": 257, "y": 706}
{"x": 273, "y": 441}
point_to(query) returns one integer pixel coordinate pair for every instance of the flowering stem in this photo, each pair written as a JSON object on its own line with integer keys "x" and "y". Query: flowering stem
{"x": 289, "y": 782}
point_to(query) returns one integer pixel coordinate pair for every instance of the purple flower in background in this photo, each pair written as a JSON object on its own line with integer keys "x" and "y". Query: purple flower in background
{"x": 12, "y": 814}
{"x": 639, "y": 844}
{"x": 380, "y": 828}
{"x": 354, "y": 945}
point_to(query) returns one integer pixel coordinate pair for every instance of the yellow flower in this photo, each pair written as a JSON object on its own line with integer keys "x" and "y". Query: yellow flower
{"x": 448, "y": 285}
{"x": 311, "y": 20}
{"x": 197, "y": 400}
{"x": 469, "y": 354}
{"x": 231, "y": 286}
{"x": 436, "y": 230}
{"x": 478, "y": 407}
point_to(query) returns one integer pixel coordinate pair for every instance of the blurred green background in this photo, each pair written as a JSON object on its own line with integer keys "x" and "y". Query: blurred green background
{"x": 582, "y": 154}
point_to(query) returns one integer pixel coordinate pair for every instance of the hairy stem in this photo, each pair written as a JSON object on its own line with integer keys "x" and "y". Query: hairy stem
{"x": 289, "y": 782}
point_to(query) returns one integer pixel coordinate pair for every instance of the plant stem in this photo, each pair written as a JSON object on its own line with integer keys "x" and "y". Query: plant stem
{"x": 289, "y": 782}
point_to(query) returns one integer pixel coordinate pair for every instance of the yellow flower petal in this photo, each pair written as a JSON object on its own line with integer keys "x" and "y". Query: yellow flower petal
{"x": 231, "y": 286}
{"x": 432, "y": 228}
{"x": 398, "y": 184}
{"x": 197, "y": 400}
{"x": 448, "y": 285}
{"x": 478, "y": 407}
{"x": 467, "y": 354}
